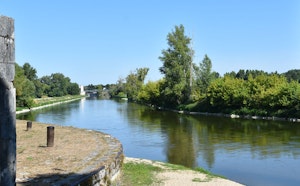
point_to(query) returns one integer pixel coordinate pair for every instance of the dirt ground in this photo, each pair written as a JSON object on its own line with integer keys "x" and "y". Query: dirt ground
{"x": 72, "y": 150}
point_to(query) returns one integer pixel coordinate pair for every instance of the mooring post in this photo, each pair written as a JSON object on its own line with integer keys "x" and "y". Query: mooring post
{"x": 29, "y": 125}
{"x": 50, "y": 136}
{"x": 7, "y": 103}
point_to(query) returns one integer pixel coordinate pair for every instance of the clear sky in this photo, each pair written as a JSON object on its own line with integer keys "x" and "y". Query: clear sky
{"x": 98, "y": 42}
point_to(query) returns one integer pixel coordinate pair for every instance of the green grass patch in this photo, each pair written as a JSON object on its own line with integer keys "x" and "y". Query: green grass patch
{"x": 208, "y": 173}
{"x": 51, "y": 100}
{"x": 139, "y": 174}
{"x": 175, "y": 167}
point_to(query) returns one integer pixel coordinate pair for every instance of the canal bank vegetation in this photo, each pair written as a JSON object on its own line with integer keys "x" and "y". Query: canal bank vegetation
{"x": 197, "y": 88}
{"x": 32, "y": 91}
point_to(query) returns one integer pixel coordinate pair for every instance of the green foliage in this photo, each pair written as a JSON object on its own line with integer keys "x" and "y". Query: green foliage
{"x": 25, "y": 88}
{"x": 28, "y": 86}
{"x": 227, "y": 92}
{"x": 292, "y": 75}
{"x": 58, "y": 85}
{"x": 29, "y": 72}
{"x": 39, "y": 88}
{"x": 73, "y": 89}
{"x": 150, "y": 93}
{"x": 244, "y": 74}
{"x": 134, "y": 83}
{"x": 204, "y": 75}
{"x": 115, "y": 89}
{"x": 265, "y": 95}
{"x": 177, "y": 65}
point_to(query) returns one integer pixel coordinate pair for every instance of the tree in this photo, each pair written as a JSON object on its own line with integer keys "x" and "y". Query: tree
{"x": 29, "y": 72}
{"x": 293, "y": 75}
{"x": 150, "y": 93}
{"x": 204, "y": 74}
{"x": 73, "y": 89}
{"x": 134, "y": 83}
{"x": 56, "y": 84}
{"x": 25, "y": 89}
{"x": 90, "y": 87}
{"x": 227, "y": 93}
{"x": 39, "y": 88}
{"x": 177, "y": 63}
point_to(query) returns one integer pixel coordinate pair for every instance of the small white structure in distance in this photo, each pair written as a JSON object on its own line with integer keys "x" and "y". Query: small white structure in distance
{"x": 82, "y": 92}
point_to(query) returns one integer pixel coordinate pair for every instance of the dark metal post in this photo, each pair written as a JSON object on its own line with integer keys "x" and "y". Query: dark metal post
{"x": 50, "y": 136}
{"x": 29, "y": 125}
{"x": 7, "y": 103}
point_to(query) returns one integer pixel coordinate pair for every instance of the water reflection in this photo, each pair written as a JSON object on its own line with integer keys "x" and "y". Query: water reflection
{"x": 249, "y": 151}
{"x": 244, "y": 150}
{"x": 192, "y": 135}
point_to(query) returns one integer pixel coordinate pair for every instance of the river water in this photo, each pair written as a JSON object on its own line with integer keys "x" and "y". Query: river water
{"x": 251, "y": 152}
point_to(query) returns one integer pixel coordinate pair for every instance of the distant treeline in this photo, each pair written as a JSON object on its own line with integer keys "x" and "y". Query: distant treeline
{"x": 29, "y": 86}
{"x": 192, "y": 87}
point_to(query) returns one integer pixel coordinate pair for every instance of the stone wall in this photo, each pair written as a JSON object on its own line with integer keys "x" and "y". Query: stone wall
{"x": 7, "y": 103}
{"x": 109, "y": 168}
{"x": 106, "y": 174}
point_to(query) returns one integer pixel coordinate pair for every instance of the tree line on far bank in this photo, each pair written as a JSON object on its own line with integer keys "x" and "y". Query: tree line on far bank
{"x": 29, "y": 86}
{"x": 195, "y": 87}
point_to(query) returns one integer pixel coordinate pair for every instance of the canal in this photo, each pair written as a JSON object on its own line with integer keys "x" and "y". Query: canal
{"x": 251, "y": 152}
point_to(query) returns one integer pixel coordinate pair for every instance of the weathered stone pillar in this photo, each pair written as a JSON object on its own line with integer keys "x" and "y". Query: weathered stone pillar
{"x": 7, "y": 103}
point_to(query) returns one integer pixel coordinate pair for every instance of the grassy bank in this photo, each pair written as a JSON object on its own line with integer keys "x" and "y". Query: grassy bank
{"x": 39, "y": 102}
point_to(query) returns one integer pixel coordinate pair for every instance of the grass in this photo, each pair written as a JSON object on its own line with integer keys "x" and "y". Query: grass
{"x": 50, "y": 100}
{"x": 175, "y": 167}
{"x": 139, "y": 174}
{"x": 209, "y": 175}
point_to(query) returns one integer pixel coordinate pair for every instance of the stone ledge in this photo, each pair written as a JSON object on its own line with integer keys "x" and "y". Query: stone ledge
{"x": 103, "y": 171}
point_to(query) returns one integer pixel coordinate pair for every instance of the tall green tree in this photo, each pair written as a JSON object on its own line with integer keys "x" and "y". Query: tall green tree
{"x": 29, "y": 72}
{"x": 177, "y": 68}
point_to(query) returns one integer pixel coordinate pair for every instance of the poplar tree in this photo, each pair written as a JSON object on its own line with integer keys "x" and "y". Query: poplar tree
{"x": 204, "y": 74}
{"x": 177, "y": 68}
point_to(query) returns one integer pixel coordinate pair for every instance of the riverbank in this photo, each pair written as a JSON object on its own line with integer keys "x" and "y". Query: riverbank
{"x": 38, "y": 164}
{"x": 233, "y": 116}
{"x": 49, "y": 102}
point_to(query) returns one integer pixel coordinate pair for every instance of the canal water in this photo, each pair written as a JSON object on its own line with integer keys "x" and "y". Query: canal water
{"x": 251, "y": 152}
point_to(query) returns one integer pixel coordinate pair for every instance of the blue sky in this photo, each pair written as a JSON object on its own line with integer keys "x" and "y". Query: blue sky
{"x": 98, "y": 42}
